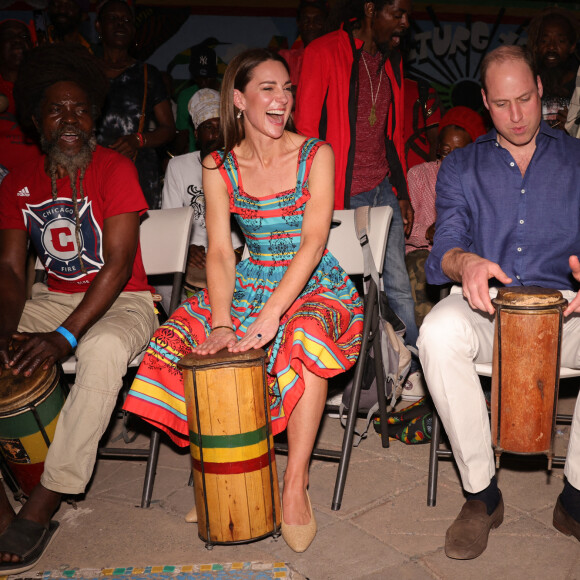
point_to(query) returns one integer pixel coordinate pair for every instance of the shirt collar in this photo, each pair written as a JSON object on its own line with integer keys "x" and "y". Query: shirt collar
{"x": 545, "y": 129}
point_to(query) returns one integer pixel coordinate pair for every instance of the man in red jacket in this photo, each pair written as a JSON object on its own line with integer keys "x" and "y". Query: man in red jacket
{"x": 350, "y": 93}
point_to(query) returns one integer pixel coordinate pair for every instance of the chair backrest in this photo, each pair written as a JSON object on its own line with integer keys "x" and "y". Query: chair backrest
{"x": 343, "y": 242}
{"x": 164, "y": 238}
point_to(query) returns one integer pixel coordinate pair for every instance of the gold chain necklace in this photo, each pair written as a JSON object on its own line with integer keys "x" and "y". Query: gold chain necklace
{"x": 373, "y": 115}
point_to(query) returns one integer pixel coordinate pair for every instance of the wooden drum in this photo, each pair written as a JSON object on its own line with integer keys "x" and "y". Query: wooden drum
{"x": 231, "y": 442}
{"x": 29, "y": 411}
{"x": 526, "y": 370}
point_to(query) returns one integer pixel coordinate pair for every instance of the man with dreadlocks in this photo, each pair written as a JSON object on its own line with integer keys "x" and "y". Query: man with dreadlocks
{"x": 79, "y": 205}
{"x": 350, "y": 93}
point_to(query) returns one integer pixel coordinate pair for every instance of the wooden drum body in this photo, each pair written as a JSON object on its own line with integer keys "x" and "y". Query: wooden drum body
{"x": 234, "y": 465}
{"x": 30, "y": 407}
{"x": 526, "y": 370}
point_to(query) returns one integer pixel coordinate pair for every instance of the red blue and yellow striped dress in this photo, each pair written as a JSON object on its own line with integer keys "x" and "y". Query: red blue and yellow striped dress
{"x": 322, "y": 329}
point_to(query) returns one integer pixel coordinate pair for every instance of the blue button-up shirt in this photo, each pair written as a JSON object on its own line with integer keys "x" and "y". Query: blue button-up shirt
{"x": 528, "y": 225}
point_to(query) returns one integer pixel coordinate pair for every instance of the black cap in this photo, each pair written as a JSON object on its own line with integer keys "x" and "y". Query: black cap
{"x": 203, "y": 62}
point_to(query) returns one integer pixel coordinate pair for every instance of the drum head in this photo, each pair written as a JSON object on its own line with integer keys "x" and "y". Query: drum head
{"x": 224, "y": 356}
{"x": 17, "y": 391}
{"x": 528, "y": 296}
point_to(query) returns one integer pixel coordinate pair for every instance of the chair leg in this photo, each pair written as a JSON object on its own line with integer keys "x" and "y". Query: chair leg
{"x": 354, "y": 401}
{"x": 433, "y": 460}
{"x": 151, "y": 468}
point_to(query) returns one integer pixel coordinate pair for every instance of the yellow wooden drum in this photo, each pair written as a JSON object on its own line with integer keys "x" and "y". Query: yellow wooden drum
{"x": 526, "y": 370}
{"x": 234, "y": 465}
{"x": 29, "y": 410}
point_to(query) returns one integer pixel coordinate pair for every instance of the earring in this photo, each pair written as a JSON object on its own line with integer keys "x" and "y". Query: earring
{"x": 239, "y": 115}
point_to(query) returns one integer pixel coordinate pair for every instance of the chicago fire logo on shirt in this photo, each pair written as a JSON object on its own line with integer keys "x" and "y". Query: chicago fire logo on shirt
{"x": 51, "y": 225}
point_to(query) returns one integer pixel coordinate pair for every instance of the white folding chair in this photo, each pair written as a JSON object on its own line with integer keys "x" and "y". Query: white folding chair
{"x": 164, "y": 238}
{"x": 344, "y": 245}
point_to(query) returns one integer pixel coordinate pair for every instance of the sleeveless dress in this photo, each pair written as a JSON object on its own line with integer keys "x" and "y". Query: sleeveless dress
{"x": 322, "y": 329}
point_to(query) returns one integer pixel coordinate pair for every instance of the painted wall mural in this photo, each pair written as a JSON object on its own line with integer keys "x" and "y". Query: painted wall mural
{"x": 448, "y": 55}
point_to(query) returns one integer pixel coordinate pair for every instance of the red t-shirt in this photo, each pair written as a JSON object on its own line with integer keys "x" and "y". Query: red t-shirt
{"x": 111, "y": 188}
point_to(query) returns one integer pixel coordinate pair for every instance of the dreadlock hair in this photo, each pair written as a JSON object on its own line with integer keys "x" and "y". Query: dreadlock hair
{"x": 553, "y": 14}
{"x": 45, "y": 66}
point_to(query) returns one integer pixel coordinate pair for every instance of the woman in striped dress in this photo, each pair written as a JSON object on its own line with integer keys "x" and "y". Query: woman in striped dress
{"x": 290, "y": 297}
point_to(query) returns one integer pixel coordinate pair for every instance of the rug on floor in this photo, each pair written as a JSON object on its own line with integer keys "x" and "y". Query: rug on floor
{"x": 230, "y": 571}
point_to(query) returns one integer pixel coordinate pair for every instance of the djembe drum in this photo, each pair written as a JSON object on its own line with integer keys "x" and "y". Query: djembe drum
{"x": 29, "y": 411}
{"x": 526, "y": 370}
{"x": 232, "y": 447}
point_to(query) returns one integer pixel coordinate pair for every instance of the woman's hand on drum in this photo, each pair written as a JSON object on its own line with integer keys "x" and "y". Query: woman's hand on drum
{"x": 35, "y": 349}
{"x": 574, "y": 305}
{"x": 260, "y": 333}
{"x": 217, "y": 340}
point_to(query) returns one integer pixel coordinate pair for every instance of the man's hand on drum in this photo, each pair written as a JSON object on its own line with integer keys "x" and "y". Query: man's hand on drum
{"x": 32, "y": 350}
{"x": 574, "y": 305}
{"x": 475, "y": 275}
{"x": 219, "y": 338}
{"x": 5, "y": 342}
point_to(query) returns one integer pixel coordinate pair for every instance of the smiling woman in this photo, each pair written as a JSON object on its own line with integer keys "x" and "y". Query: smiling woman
{"x": 289, "y": 297}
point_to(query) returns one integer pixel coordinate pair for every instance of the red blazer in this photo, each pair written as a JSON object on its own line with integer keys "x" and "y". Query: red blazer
{"x": 326, "y": 107}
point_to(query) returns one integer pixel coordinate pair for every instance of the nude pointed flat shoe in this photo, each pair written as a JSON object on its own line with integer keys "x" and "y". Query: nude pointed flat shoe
{"x": 299, "y": 537}
{"x": 191, "y": 516}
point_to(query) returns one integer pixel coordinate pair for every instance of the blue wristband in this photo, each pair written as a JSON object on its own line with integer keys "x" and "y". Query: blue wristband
{"x": 68, "y": 335}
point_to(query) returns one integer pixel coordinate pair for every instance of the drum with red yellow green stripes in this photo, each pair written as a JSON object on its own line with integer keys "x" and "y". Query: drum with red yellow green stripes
{"x": 232, "y": 447}
{"x": 30, "y": 407}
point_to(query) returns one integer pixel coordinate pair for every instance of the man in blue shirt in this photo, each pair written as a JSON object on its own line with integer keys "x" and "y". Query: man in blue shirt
{"x": 508, "y": 213}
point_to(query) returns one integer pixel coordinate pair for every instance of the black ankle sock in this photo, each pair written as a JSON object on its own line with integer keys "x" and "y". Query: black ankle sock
{"x": 570, "y": 498}
{"x": 489, "y": 496}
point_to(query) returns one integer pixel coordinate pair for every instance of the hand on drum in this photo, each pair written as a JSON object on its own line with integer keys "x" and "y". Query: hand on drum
{"x": 5, "y": 342}
{"x": 217, "y": 340}
{"x": 574, "y": 305}
{"x": 33, "y": 350}
{"x": 259, "y": 333}
{"x": 475, "y": 275}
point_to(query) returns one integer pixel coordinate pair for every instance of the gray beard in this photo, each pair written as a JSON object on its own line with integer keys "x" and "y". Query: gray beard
{"x": 71, "y": 164}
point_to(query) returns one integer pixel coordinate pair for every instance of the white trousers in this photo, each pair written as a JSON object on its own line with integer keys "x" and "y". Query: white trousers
{"x": 453, "y": 337}
{"x": 103, "y": 355}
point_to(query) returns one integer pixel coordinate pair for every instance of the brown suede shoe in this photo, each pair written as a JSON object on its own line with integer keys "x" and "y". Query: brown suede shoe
{"x": 564, "y": 522}
{"x": 466, "y": 538}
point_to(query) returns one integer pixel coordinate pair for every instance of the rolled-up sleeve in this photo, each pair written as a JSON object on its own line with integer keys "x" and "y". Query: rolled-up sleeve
{"x": 452, "y": 228}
